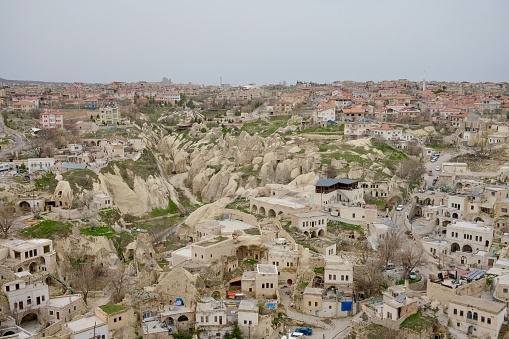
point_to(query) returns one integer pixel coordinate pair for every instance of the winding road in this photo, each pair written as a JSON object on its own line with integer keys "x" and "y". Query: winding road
{"x": 19, "y": 140}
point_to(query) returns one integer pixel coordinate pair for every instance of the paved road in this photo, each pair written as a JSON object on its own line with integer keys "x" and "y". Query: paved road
{"x": 322, "y": 328}
{"x": 19, "y": 139}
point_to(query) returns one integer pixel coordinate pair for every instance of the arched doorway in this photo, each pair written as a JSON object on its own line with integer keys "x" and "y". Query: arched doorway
{"x": 318, "y": 282}
{"x": 272, "y": 213}
{"x": 261, "y": 210}
{"x": 170, "y": 321}
{"x": 306, "y": 233}
{"x": 321, "y": 233}
{"x": 477, "y": 219}
{"x": 313, "y": 234}
{"x": 182, "y": 318}
{"x": 20, "y": 269}
{"x": 455, "y": 247}
{"x": 254, "y": 209}
{"x": 29, "y": 317}
{"x": 466, "y": 248}
{"x": 471, "y": 329}
{"x": 289, "y": 282}
{"x": 455, "y": 215}
{"x": 32, "y": 267}
{"x": 280, "y": 213}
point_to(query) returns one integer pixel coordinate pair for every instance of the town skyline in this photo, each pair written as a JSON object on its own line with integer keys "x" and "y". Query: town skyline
{"x": 97, "y": 42}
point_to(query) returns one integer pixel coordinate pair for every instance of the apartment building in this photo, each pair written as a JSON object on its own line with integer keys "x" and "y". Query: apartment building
{"x": 51, "y": 119}
{"x": 109, "y": 116}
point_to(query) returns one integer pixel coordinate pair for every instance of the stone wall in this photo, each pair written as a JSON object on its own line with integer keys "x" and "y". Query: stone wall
{"x": 444, "y": 294}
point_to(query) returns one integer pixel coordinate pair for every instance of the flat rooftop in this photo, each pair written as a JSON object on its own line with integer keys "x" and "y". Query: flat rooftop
{"x": 230, "y": 226}
{"x": 23, "y": 245}
{"x": 63, "y": 300}
{"x": 310, "y": 214}
{"x": 266, "y": 269}
{"x": 281, "y": 202}
{"x": 470, "y": 225}
{"x": 478, "y": 303}
{"x": 85, "y": 324}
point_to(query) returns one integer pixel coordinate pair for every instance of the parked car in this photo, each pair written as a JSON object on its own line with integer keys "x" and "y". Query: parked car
{"x": 400, "y": 208}
{"x": 296, "y": 335}
{"x": 389, "y": 266}
{"x": 412, "y": 275}
{"x": 304, "y": 330}
{"x": 434, "y": 159}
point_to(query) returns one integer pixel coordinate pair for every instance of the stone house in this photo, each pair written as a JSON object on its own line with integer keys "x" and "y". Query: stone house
{"x": 65, "y": 308}
{"x": 33, "y": 255}
{"x": 313, "y": 224}
{"x": 338, "y": 274}
{"x": 89, "y": 327}
{"x": 211, "y": 318}
{"x": 476, "y": 316}
{"x": 212, "y": 249}
{"x": 324, "y": 303}
{"x": 26, "y": 300}
{"x": 101, "y": 201}
{"x": 115, "y": 316}
{"x": 262, "y": 283}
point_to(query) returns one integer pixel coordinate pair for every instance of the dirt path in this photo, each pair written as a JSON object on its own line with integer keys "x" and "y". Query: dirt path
{"x": 177, "y": 181}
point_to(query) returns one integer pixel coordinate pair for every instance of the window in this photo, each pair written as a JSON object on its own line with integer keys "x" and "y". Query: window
{"x": 115, "y": 320}
{"x": 7, "y": 288}
{"x": 505, "y": 290}
{"x": 475, "y": 316}
{"x": 482, "y": 319}
{"x": 455, "y": 311}
{"x": 488, "y": 321}
{"x": 119, "y": 318}
{"x": 50, "y": 312}
{"x": 309, "y": 303}
{"x": 461, "y": 313}
{"x": 504, "y": 210}
{"x": 316, "y": 303}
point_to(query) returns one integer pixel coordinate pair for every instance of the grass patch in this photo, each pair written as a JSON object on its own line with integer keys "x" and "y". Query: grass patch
{"x": 266, "y": 127}
{"x": 302, "y": 285}
{"x": 213, "y": 241}
{"x": 418, "y": 322}
{"x": 112, "y": 308}
{"x": 80, "y": 179}
{"x": 98, "y": 231}
{"x": 46, "y": 183}
{"x": 252, "y": 231}
{"x": 250, "y": 262}
{"x": 319, "y": 270}
{"x": 109, "y": 216}
{"x": 48, "y": 229}
{"x": 171, "y": 209}
{"x": 120, "y": 241}
{"x": 344, "y": 226}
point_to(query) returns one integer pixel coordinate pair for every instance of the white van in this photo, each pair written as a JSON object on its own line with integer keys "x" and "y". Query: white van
{"x": 296, "y": 335}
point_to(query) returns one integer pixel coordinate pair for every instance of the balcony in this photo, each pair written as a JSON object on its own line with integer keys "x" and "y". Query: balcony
{"x": 472, "y": 321}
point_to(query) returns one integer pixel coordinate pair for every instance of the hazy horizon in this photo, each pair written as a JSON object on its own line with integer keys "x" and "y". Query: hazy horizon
{"x": 262, "y": 42}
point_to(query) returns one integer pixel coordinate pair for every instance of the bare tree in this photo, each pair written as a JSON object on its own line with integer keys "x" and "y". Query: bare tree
{"x": 332, "y": 172}
{"x": 7, "y": 217}
{"x": 389, "y": 246}
{"x": 411, "y": 170}
{"x": 120, "y": 284}
{"x": 85, "y": 278}
{"x": 412, "y": 256}
{"x": 368, "y": 277}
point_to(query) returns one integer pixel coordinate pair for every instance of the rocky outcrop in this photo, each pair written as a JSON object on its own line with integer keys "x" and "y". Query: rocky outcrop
{"x": 154, "y": 192}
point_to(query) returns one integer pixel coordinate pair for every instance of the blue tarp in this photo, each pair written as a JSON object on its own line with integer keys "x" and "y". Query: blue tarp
{"x": 346, "y": 305}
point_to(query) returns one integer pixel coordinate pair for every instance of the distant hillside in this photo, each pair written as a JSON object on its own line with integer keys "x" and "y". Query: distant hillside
{"x": 6, "y": 81}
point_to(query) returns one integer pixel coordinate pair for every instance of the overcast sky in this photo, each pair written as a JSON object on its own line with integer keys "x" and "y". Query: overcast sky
{"x": 263, "y": 41}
